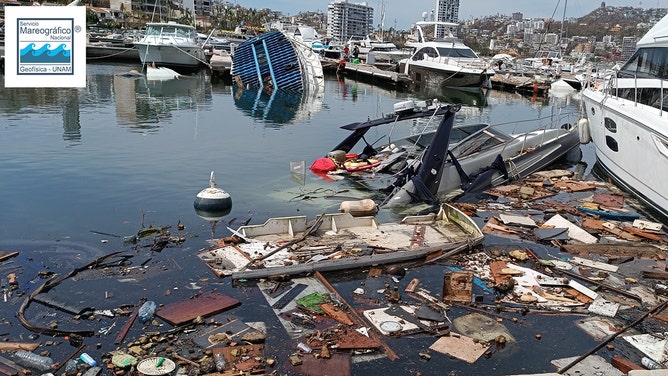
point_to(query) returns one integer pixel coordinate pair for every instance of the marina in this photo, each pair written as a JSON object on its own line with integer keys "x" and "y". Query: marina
{"x": 473, "y": 220}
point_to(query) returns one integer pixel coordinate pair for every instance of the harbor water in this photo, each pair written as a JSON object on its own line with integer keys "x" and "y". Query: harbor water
{"x": 83, "y": 170}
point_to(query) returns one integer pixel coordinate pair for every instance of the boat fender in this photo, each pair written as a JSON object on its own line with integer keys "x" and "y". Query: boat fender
{"x": 583, "y": 131}
{"x": 359, "y": 208}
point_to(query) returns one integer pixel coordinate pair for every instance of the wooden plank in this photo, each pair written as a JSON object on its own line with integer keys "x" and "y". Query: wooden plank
{"x": 7, "y": 255}
{"x": 128, "y": 324}
{"x": 608, "y": 200}
{"x": 205, "y": 304}
{"x": 338, "y": 364}
{"x": 389, "y": 352}
{"x": 15, "y": 346}
{"x": 624, "y": 364}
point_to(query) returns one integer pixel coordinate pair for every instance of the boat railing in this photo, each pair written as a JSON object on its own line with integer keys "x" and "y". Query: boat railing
{"x": 648, "y": 91}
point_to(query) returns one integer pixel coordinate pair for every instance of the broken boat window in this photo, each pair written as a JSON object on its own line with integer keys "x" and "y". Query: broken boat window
{"x": 612, "y": 143}
{"x": 610, "y": 125}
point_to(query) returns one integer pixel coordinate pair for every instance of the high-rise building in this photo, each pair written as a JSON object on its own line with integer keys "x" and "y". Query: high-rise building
{"x": 446, "y": 11}
{"x": 345, "y": 20}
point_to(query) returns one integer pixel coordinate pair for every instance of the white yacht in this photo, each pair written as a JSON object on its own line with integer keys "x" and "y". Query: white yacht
{"x": 446, "y": 62}
{"x": 627, "y": 120}
{"x": 171, "y": 45}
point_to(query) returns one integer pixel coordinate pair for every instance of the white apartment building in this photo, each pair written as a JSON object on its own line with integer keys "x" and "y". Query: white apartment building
{"x": 345, "y": 20}
{"x": 446, "y": 11}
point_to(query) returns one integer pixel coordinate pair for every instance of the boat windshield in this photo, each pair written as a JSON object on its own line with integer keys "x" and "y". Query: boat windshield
{"x": 179, "y": 32}
{"x": 651, "y": 62}
{"x": 484, "y": 140}
{"x": 457, "y": 52}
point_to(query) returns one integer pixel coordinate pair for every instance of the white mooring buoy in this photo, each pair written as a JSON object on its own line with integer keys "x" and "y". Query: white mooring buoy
{"x": 212, "y": 203}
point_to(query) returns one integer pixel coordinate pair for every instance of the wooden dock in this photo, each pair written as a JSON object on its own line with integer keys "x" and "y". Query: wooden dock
{"x": 367, "y": 72}
{"x": 520, "y": 84}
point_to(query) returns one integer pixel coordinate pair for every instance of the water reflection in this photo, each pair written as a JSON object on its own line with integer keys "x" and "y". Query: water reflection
{"x": 142, "y": 104}
{"x": 278, "y": 108}
{"x": 472, "y": 98}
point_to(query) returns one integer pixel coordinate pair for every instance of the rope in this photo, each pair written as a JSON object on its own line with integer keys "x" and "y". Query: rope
{"x": 112, "y": 55}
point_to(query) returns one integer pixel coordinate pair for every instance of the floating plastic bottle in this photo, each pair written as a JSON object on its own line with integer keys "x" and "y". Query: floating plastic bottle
{"x": 88, "y": 359}
{"x": 71, "y": 367}
{"x": 30, "y": 359}
{"x": 146, "y": 311}
{"x": 650, "y": 364}
{"x": 219, "y": 361}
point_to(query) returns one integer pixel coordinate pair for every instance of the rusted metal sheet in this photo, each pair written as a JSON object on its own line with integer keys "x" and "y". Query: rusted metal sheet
{"x": 205, "y": 304}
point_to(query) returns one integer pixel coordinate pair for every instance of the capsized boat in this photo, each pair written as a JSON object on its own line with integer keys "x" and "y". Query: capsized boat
{"x": 627, "y": 120}
{"x": 276, "y": 61}
{"x": 330, "y": 242}
{"x": 485, "y": 159}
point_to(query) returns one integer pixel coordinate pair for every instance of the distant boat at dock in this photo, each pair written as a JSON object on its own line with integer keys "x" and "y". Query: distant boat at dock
{"x": 171, "y": 45}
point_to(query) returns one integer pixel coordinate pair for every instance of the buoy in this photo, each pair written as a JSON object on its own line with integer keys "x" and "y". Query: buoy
{"x": 583, "y": 131}
{"x": 212, "y": 203}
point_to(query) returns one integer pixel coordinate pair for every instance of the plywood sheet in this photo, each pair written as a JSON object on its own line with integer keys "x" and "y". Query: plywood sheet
{"x": 205, "y": 304}
{"x": 460, "y": 347}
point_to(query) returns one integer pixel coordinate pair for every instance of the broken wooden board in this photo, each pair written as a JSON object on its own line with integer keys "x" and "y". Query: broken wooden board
{"x": 15, "y": 346}
{"x": 335, "y": 313}
{"x": 457, "y": 286}
{"x": 636, "y": 250}
{"x": 338, "y": 364}
{"x": 460, "y": 347}
{"x": 244, "y": 358}
{"x": 574, "y": 185}
{"x": 204, "y": 304}
{"x": 234, "y": 330}
{"x": 494, "y": 227}
{"x": 7, "y": 255}
{"x": 609, "y": 200}
{"x": 574, "y": 232}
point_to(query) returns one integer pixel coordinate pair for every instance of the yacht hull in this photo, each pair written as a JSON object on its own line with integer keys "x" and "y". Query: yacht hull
{"x": 431, "y": 74}
{"x": 631, "y": 144}
{"x": 171, "y": 56}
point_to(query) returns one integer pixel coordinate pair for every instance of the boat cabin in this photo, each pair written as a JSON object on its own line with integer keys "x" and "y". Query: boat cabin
{"x": 647, "y": 67}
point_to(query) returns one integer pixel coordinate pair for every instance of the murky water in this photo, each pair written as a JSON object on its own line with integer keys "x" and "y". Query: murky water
{"x": 82, "y": 168}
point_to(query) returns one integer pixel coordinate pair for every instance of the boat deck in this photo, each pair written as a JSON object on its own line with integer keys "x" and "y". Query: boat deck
{"x": 337, "y": 241}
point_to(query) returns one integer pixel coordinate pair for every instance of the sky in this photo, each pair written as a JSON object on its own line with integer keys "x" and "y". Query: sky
{"x": 405, "y": 12}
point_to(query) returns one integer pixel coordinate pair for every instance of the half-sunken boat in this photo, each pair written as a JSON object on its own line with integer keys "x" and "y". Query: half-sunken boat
{"x": 275, "y": 61}
{"x": 339, "y": 241}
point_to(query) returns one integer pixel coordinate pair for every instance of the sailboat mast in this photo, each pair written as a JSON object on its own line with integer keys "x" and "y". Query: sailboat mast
{"x": 563, "y": 21}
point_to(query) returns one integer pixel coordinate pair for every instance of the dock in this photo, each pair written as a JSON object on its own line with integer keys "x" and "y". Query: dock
{"x": 520, "y": 84}
{"x": 221, "y": 63}
{"x": 368, "y": 72}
